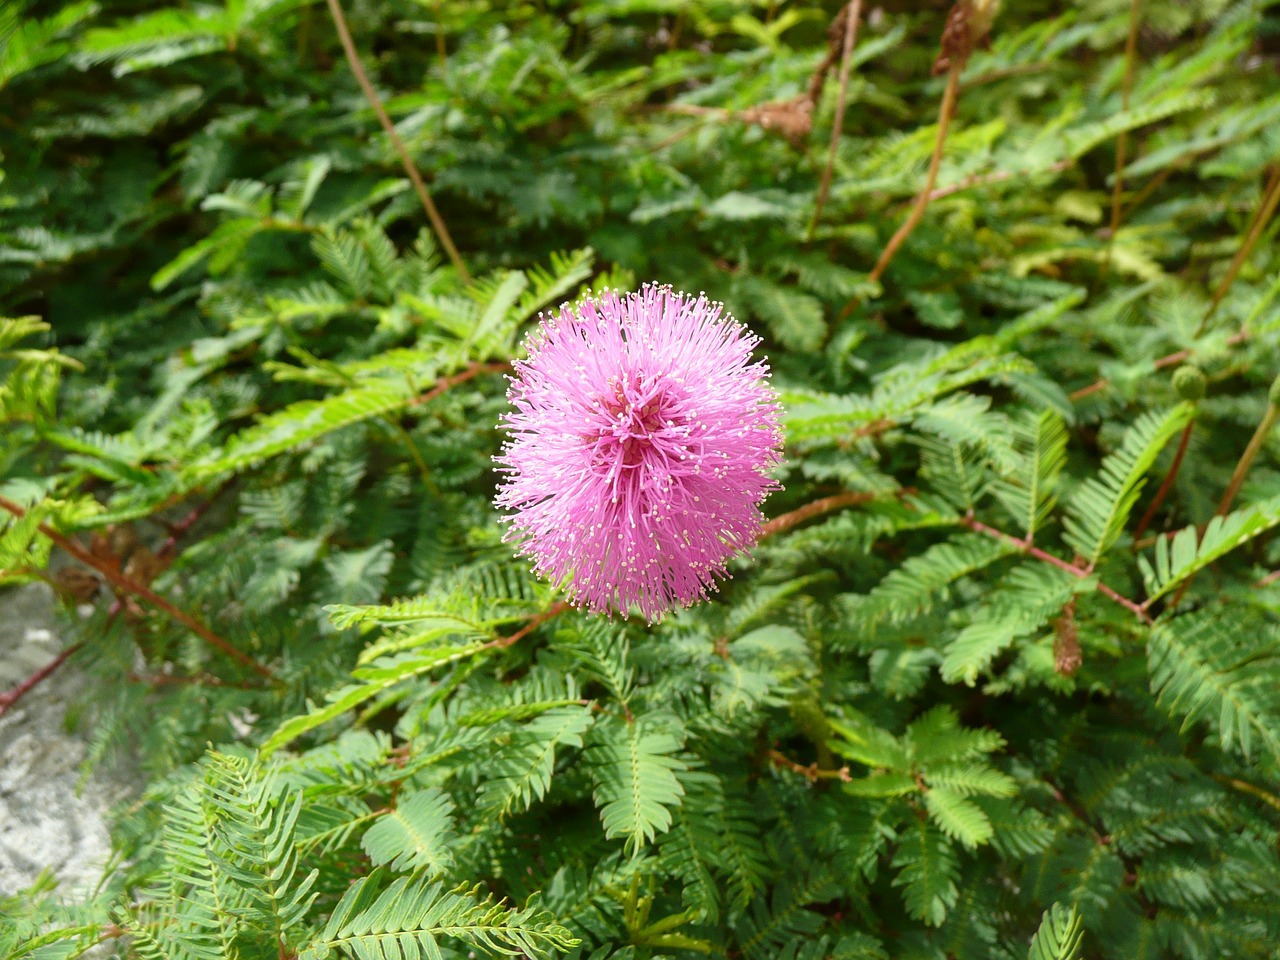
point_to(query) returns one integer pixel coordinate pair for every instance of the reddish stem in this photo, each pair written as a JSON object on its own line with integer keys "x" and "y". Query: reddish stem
{"x": 1159, "y": 364}
{"x": 1135, "y": 608}
{"x": 1167, "y": 485}
{"x": 126, "y": 583}
{"x": 11, "y": 697}
{"x": 444, "y": 383}
{"x": 557, "y": 608}
{"x": 813, "y": 773}
{"x": 786, "y": 521}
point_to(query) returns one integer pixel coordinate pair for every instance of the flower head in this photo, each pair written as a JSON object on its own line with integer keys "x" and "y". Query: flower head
{"x": 639, "y": 450}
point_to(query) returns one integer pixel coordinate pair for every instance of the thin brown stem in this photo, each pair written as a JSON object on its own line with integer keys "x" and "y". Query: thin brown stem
{"x": 1237, "y": 478}
{"x": 1077, "y": 572}
{"x": 1167, "y": 485}
{"x": 1159, "y": 364}
{"x": 441, "y": 52}
{"x": 357, "y": 69}
{"x": 557, "y": 608}
{"x": 1150, "y": 187}
{"x": 945, "y": 111}
{"x": 445, "y": 383}
{"x": 839, "y": 501}
{"x": 126, "y": 583}
{"x": 997, "y": 176}
{"x": 10, "y": 697}
{"x": 1122, "y": 141}
{"x": 1267, "y": 207}
{"x": 813, "y": 773}
{"x": 1246, "y": 459}
{"x": 853, "y": 13}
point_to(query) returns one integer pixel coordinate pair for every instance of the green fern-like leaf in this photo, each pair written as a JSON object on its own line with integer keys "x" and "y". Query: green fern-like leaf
{"x": 1206, "y": 667}
{"x": 416, "y": 835}
{"x": 521, "y": 772}
{"x": 1179, "y": 557}
{"x": 927, "y": 872}
{"x": 1099, "y": 509}
{"x": 1029, "y": 491}
{"x": 912, "y": 589}
{"x": 633, "y": 765}
{"x": 412, "y": 918}
{"x": 1059, "y": 936}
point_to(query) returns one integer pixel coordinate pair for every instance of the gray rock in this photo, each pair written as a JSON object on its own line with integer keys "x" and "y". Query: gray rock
{"x": 48, "y": 817}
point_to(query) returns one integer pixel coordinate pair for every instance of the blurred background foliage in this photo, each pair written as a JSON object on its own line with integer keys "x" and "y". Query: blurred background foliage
{"x": 251, "y": 383}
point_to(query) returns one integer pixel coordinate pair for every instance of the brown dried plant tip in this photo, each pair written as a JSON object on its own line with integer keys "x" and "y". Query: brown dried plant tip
{"x": 1067, "y": 657}
{"x": 967, "y": 26}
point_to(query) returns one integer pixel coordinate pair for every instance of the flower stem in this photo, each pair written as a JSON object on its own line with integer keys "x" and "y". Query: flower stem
{"x": 1167, "y": 485}
{"x": 786, "y": 521}
{"x": 126, "y": 583}
{"x": 1080, "y": 574}
{"x": 1122, "y": 140}
{"x": 1158, "y": 364}
{"x": 1247, "y": 458}
{"x": 1266, "y": 208}
{"x": 853, "y": 13}
{"x": 949, "y": 95}
{"x": 362, "y": 78}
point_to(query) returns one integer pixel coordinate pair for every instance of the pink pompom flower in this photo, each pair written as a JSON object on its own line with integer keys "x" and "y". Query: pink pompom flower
{"x": 639, "y": 449}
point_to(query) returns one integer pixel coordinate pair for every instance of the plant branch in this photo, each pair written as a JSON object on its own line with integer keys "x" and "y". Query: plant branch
{"x": 1246, "y": 459}
{"x": 786, "y": 521}
{"x": 126, "y": 583}
{"x": 1267, "y": 207}
{"x": 10, "y": 697}
{"x": 445, "y": 383}
{"x": 1159, "y": 364}
{"x": 813, "y": 773}
{"x": 357, "y": 68}
{"x": 1033, "y": 551}
{"x": 853, "y": 13}
{"x": 1167, "y": 485}
{"x": 557, "y": 608}
{"x": 1122, "y": 141}
{"x": 945, "y": 111}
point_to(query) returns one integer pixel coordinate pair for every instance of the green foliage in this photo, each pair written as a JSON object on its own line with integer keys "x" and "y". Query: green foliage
{"x": 1007, "y": 694}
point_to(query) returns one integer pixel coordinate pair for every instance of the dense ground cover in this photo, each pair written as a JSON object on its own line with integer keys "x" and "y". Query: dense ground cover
{"x": 1007, "y": 657}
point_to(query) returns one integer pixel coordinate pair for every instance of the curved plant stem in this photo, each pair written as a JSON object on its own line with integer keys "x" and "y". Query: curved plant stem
{"x": 1246, "y": 459}
{"x": 1159, "y": 364}
{"x": 126, "y": 583}
{"x": 813, "y": 773}
{"x": 557, "y": 608}
{"x": 1270, "y": 199}
{"x": 444, "y": 383}
{"x": 10, "y": 697}
{"x": 1167, "y": 485}
{"x": 853, "y": 13}
{"x": 1032, "y": 551}
{"x": 945, "y": 111}
{"x": 1237, "y": 478}
{"x": 357, "y": 69}
{"x": 786, "y": 521}
{"x": 1122, "y": 141}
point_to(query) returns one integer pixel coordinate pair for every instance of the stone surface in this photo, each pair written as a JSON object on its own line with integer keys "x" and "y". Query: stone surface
{"x": 48, "y": 817}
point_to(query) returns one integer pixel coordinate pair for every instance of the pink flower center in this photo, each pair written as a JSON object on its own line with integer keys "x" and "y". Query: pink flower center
{"x": 642, "y": 419}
